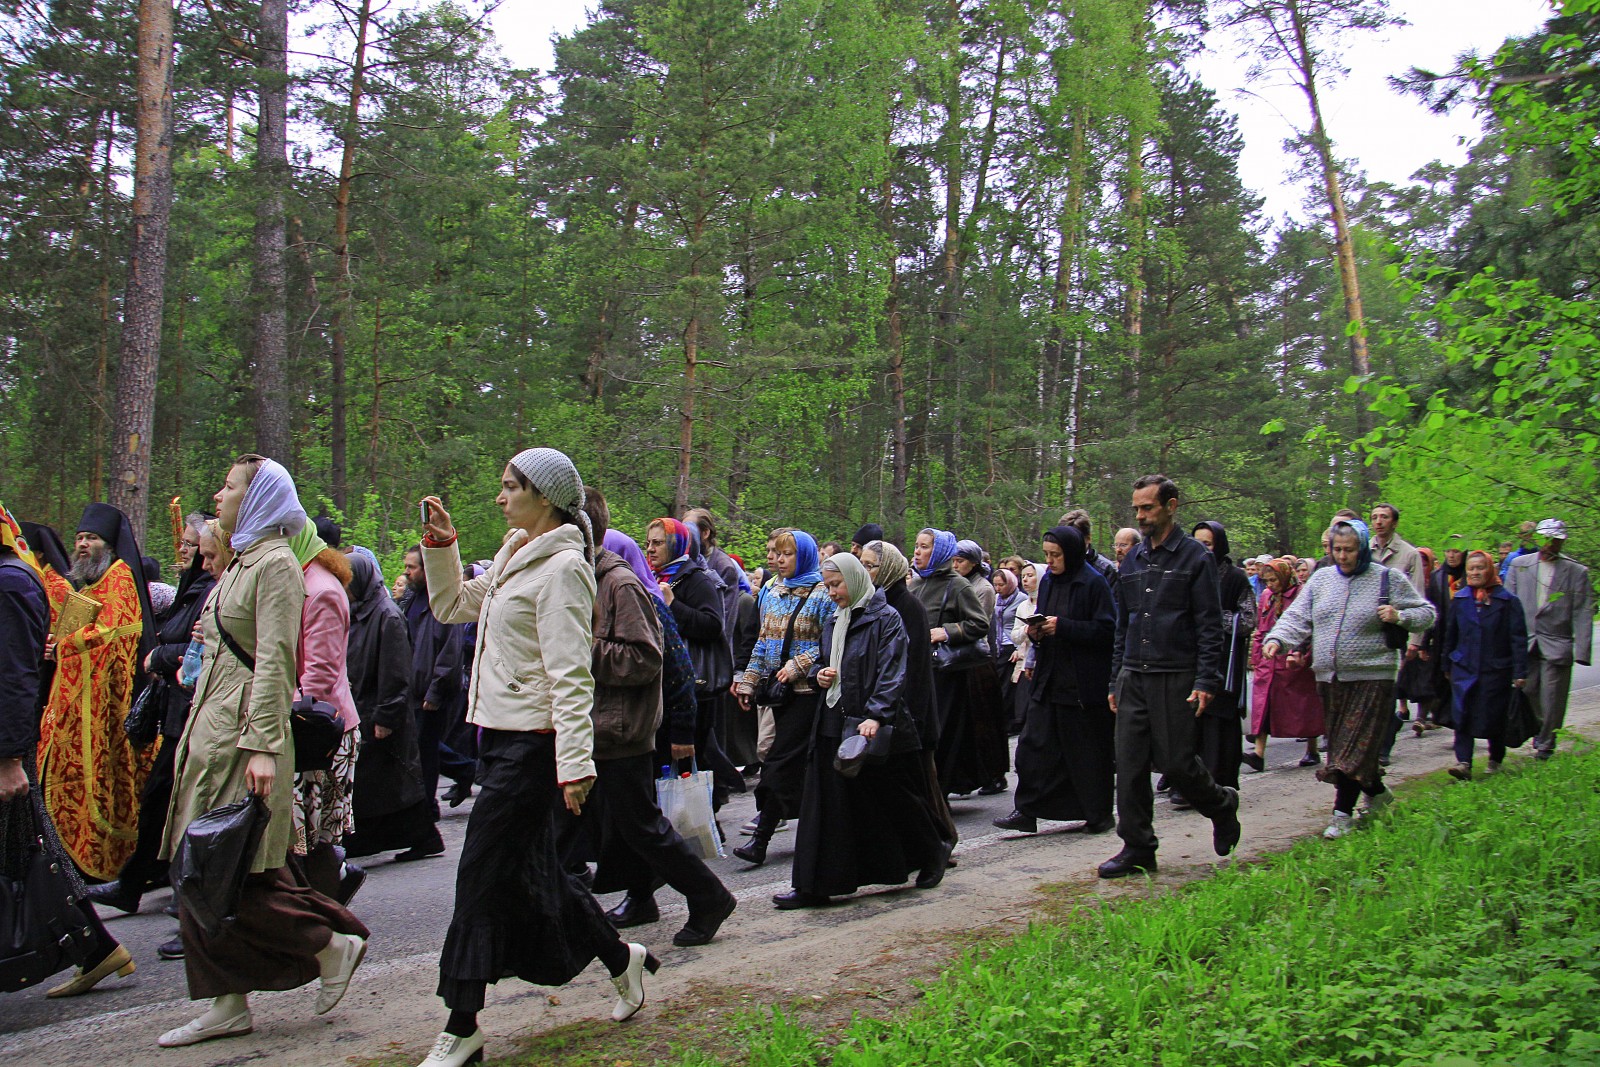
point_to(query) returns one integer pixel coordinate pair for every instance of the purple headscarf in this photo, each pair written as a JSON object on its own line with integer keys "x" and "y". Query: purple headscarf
{"x": 628, "y": 549}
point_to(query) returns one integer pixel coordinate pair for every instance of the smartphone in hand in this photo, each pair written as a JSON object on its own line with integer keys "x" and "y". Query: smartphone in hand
{"x": 1034, "y": 620}
{"x": 425, "y": 513}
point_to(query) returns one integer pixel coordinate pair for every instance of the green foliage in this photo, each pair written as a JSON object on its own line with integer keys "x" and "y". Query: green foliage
{"x": 1463, "y": 928}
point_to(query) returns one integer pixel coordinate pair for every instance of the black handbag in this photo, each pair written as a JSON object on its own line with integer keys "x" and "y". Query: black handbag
{"x": 856, "y": 751}
{"x": 315, "y": 724}
{"x": 211, "y": 862}
{"x": 143, "y": 722}
{"x": 1395, "y": 636}
{"x": 771, "y": 693}
{"x": 42, "y": 928}
{"x": 1522, "y": 722}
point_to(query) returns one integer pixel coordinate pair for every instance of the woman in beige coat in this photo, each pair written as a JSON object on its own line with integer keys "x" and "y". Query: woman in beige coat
{"x": 517, "y": 910}
{"x": 237, "y": 740}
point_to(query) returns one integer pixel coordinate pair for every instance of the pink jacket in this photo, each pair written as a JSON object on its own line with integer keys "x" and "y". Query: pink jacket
{"x": 1284, "y": 698}
{"x": 324, "y": 642}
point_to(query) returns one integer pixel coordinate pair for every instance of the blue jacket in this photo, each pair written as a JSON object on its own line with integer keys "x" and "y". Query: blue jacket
{"x": 1485, "y": 648}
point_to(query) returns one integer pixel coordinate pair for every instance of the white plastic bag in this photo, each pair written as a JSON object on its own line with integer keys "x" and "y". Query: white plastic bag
{"x": 686, "y": 802}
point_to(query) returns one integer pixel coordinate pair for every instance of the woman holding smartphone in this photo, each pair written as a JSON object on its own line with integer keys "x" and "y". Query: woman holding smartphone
{"x": 517, "y": 911}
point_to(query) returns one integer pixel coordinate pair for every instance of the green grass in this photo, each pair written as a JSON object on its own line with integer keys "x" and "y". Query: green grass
{"x": 1463, "y": 928}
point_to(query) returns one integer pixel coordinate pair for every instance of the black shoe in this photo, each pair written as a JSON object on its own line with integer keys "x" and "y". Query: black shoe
{"x": 1311, "y": 759}
{"x": 584, "y": 874}
{"x": 172, "y": 907}
{"x": 1161, "y": 784}
{"x": 702, "y": 927}
{"x": 753, "y": 852}
{"x": 1098, "y": 827}
{"x": 419, "y": 852}
{"x": 112, "y": 895}
{"x": 751, "y": 770}
{"x": 993, "y": 788}
{"x": 930, "y": 876}
{"x": 634, "y": 911}
{"x": 458, "y": 794}
{"x": 1026, "y": 824}
{"x": 171, "y": 950}
{"x": 1383, "y": 761}
{"x": 1178, "y": 800}
{"x": 794, "y": 899}
{"x": 350, "y": 883}
{"x": 1254, "y": 761}
{"x": 1225, "y": 829}
{"x": 1125, "y": 863}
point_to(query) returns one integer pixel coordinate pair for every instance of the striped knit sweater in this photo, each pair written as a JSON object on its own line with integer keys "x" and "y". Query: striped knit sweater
{"x": 776, "y": 603}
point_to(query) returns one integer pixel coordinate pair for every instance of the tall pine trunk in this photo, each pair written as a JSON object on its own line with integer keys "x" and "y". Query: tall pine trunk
{"x": 268, "y": 280}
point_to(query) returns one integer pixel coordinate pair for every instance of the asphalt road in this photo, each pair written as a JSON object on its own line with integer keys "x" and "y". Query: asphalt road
{"x": 408, "y": 908}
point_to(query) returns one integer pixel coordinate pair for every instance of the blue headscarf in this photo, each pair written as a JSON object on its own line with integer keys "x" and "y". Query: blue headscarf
{"x": 366, "y": 553}
{"x": 944, "y": 547}
{"x": 1346, "y": 527}
{"x": 807, "y": 560}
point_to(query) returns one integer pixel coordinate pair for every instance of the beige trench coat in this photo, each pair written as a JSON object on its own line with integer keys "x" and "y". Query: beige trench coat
{"x": 237, "y": 713}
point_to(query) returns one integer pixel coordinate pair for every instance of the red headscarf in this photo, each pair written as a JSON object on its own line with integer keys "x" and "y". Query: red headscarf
{"x": 678, "y": 542}
{"x": 1484, "y": 594}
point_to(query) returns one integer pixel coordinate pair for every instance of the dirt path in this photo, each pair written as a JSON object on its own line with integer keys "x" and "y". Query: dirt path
{"x": 864, "y": 955}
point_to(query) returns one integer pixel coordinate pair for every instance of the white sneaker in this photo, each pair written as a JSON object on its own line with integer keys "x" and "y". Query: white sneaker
{"x": 452, "y": 1051}
{"x": 1375, "y": 805}
{"x": 195, "y": 1031}
{"x": 351, "y": 951}
{"x": 1340, "y": 825}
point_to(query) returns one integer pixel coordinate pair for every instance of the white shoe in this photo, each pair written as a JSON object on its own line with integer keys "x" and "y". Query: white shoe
{"x": 351, "y": 952}
{"x": 193, "y": 1032}
{"x": 1340, "y": 825}
{"x": 630, "y": 983}
{"x": 452, "y": 1051}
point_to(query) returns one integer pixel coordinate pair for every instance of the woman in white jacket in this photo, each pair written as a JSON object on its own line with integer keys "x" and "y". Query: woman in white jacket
{"x": 517, "y": 912}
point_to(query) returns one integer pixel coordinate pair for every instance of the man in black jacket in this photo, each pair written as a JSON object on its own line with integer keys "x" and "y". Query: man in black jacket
{"x": 1166, "y": 667}
{"x": 438, "y": 686}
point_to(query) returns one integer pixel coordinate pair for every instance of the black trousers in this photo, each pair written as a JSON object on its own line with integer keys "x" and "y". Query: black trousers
{"x": 144, "y": 869}
{"x": 438, "y": 758}
{"x": 1155, "y": 727}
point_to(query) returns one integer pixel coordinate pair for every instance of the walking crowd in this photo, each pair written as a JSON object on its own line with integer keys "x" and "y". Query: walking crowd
{"x": 557, "y": 684}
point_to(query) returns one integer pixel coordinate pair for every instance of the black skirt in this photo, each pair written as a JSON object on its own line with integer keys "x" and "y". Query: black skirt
{"x": 783, "y": 772}
{"x": 1067, "y": 762}
{"x": 874, "y": 829}
{"x": 973, "y": 751}
{"x": 518, "y": 913}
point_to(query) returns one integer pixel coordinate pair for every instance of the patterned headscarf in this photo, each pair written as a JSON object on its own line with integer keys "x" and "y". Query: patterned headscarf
{"x": 626, "y": 547}
{"x": 556, "y": 478}
{"x": 679, "y": 542}
{"x": 859, "y": 588}
{"x": 892, "y": 563}
{"x": 944, "y": 547}
{"x": 1486, "y": 593}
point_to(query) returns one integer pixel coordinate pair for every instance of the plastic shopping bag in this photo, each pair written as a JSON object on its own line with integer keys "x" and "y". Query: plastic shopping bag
{"x": 211, "y": 862}
{"x": 686, "y": 802}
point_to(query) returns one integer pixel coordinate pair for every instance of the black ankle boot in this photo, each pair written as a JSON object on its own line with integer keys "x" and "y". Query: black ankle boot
{"x": 754, "y": 851}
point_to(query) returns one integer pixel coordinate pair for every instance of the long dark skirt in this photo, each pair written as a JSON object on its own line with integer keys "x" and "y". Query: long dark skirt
{"x": 938, "y": 803}
{"x": 874, "y": 829}
{"x": 407, "y": 828}
{"x": 739, "y": 731}
{"x": 1067, "y": 762}
{"x": 272, "y": 942}
{"x": 1220, "y": 739}
{"x": 783, "y": 772}
{"x": 1358, "y": 715}
{"x": 708, "y": 749}
{"x": 973, "y": 750}
{"x": 517, "y": 913}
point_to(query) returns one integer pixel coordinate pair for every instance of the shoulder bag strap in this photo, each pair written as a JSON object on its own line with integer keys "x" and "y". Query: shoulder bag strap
{"x": 1383, "y": 587}
{"x": 788, "y": 633}
{"x": 244, "y": 657}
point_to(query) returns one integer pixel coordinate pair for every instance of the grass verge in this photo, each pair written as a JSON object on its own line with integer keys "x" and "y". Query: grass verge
{"x": 1462, "y": 928}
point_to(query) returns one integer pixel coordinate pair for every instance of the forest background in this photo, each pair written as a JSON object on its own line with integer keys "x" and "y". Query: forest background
{"x": 805, "y": 262}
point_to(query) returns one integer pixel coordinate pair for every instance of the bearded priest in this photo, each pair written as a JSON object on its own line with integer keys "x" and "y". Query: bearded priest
{"x": 90, "y": 774}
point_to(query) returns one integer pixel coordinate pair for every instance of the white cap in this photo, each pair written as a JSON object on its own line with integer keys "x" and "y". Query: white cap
{"x": 1553, "y": 529}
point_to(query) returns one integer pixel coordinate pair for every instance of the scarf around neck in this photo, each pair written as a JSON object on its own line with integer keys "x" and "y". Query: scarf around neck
{"x": 858, "y": 586}
{"x": 678, "y": 544}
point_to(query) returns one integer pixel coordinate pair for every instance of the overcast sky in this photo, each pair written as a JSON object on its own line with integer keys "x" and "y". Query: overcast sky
{"x": 1390, "y": 136}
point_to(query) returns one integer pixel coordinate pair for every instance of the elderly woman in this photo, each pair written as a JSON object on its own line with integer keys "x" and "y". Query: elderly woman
{"x": 972, "y": 752}
{"x": 968, "y": 562}
{"x": 1066, "y": 756}
{"x": 1486, "y": 655}
{"x": 517, "y": 911}
{"x": 237, "y": 740}
{"x": 874, "y": 828}
{"x": 792, "y": 610}
{"x": 1283, "y": 696}
{"x": 1341, "y": 615}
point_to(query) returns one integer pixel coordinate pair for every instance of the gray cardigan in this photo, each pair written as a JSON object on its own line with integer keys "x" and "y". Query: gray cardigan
{"x": 1338, "y": 615}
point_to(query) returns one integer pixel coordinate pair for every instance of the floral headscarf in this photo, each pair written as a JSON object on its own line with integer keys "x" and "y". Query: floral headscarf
{"x": 679, "y": 542}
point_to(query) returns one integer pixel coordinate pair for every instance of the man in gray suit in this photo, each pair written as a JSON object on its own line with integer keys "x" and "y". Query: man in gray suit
{"x": 1559, "y": 605}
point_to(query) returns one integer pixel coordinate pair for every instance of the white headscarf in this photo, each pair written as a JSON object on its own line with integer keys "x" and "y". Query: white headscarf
{"x": 858, "y": 586}
{"x": 271, "y": 505}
